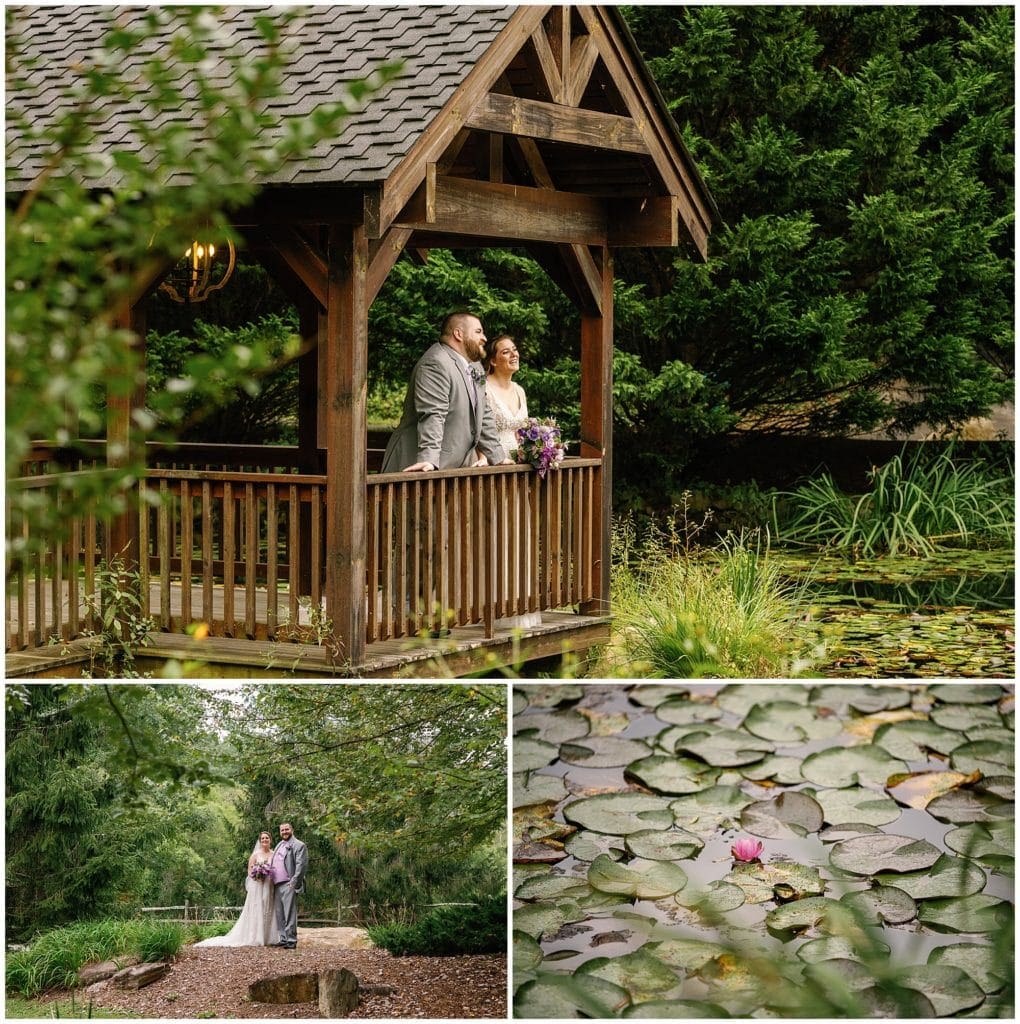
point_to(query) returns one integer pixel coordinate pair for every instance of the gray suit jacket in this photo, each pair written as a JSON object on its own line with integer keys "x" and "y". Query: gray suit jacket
{"x": 439, "y": 424}
{"x": 295, "y": 860}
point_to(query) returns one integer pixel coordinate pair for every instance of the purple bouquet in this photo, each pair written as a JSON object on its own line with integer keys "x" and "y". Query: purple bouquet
{"x": 539, "y": 445}
{"x": 260, "y": 871}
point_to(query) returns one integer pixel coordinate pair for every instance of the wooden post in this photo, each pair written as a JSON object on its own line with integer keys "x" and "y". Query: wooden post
{"x": 122, "y": 445}
{"x": 345, "y": 386}
{"x": 597, "y": 430}
{"x": 308, "y": 416}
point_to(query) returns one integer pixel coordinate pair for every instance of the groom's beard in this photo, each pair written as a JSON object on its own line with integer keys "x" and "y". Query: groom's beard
{"x": 474, "y": 350}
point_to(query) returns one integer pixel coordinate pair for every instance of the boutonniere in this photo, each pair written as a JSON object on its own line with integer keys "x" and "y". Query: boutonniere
{"x": 477, "y": 376}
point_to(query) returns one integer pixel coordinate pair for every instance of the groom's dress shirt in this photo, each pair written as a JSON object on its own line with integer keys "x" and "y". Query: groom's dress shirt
{"x": 278, "y": 864}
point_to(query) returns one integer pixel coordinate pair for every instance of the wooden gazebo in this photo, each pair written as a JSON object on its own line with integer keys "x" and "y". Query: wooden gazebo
{"x": 535, "y": 127}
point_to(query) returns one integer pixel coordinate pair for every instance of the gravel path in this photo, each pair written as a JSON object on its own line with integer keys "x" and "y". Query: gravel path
{"x": 213, "y": 982}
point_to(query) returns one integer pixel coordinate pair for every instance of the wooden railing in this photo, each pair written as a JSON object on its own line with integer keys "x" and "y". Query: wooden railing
{"x": 245, "y": 552}
{"x": 469, "y": 546}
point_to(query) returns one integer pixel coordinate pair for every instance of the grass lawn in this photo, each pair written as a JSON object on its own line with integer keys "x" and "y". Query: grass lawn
{"x": 16, "y": 1008}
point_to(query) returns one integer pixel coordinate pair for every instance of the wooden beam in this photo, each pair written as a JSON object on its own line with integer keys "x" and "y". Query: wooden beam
{"x": 586, "y": 274}
{"x": 449, "y": 157}
{"x": 346, "y": 431}
{"x": 645, "y": 222}
{"x": 597, "y": 426}
{"x": 559, "y": 42}
{"x": 583, "y": 55}
{"x": 546, "y": 63}
{"x": 496, "y": 157}
{"x": 676, "y": 177}
{"x": 383, "y": 254}
{"x": 404, "y": 181}
{"x": 513, "y": 115}
{"x": 461, "y": 206}
{"x": 306, "y": 263}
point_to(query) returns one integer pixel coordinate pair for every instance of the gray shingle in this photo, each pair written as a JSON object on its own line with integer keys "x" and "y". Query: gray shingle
{"x": 329, "y": 47}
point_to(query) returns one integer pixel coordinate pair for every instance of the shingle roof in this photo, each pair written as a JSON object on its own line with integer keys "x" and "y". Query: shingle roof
{"x": 330, "y": 46}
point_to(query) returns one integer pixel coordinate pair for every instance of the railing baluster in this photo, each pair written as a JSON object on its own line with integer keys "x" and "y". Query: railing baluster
{"x": 208, "y": 613}
{"x": 90, "y": 567}
{"x": 387, "y": 562}
{"x": 187, "y": 547}
{"x": 293, "y": 555}
{"x": 144, "y": 546}
{"x": 73, "y": 596}
{"x": 577, "y": 505}
{"x": 272, "y": 562}
{"x": 316, "y": 546}
{"x": 251, "y": 558}
{"x": 56, "y": 581}
{"x": 457, "y": 551}
{"x": 402, "y": 538}
{"x": 165, "y": 554}
{"x": 229, "y": 554}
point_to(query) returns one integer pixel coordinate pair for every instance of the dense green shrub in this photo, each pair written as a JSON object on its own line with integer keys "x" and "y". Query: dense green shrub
{"x": 914, "y": 505}
{"x": 479, "y": 927}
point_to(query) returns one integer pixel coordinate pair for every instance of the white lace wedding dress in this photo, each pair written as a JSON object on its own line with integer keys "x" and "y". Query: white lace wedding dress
{"x": 257, "y": 924}
{"x": 507, "y": 423}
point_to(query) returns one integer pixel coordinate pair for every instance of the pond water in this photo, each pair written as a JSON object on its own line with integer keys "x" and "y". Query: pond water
{"x": 629, "y": 901}
{"x": 951, "y": 615}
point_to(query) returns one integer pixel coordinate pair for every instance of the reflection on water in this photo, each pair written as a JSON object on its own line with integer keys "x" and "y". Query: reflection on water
{"x": 981, "y": 592}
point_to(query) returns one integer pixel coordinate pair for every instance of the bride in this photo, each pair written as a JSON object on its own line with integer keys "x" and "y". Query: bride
{"x": 257, "y": 924}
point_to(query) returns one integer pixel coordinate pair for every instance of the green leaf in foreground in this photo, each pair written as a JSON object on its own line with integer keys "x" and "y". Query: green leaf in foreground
{"x": 978, "y": 913}
{"x": 532, "y": 789}
{"x": 724, "y": 748}
{"x": 602, "y": 751}
{"x": 947, "y": 988}
{"x": 990, "y": 843}
{"x": 643, "y": 879}
{"x": 948, "y": 876}
{"x": 564, "y": 997}
{"x": 643, "y": 975}
{"x": 978, "y": 961}
{"x": 857, "y": 805}
{"x": 530, "y": 755}
{"x": 674, "y": 1009}
{"x": 789, "y": 722}
{"x": 882, "y": 903}
{"x": 803, "y": 914}
{"x": 669, "y": 844}
{"x": 673, "y": 775}
{"x": 760, "y": 882}
{"x": 710, "y": 809}
{"x": 791, "y": 814}
{"x": 841, "y": 767}
{"x": 619, "y": 814}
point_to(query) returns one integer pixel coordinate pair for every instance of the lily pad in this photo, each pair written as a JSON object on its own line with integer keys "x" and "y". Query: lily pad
{"x": 789, "y": 722}
{"x": 882, "y": 903}
{"x": 530, "y": 755}
{"x": 963, "y": 717}
{"x": 986, "y": 756}
{"x": 542, "y": 695}
{"x": 710, "y": 809}
{"x": 531, "y": 790}
{"x": 527, "y": 953}
{"x": 520, "y": 702}
{"x": 847, "y": 830}
{"x": 972, "y": 804}
{"x": 672, "y": 775}
{"x": 947, "y": 988}
{"x": 673, "y": 1009}
{"x": 882, "y": 1003}
{"x": 867, "y": 855}
{"x": 804, "y": 914}
{"x": 977, "y": 913}
{"x": 841, "y": 767}
{"x": 790, "y": 814}
{"x": 602, "y": 751}
{"x": 760, "y": 882}
{"x": 999, "y": 733}
{"x": 989, "y": 843}
{"x": 643, "y": 879}
{"x": 640, "y": 973}
{"x": 911, "y": 741}
{"x": 552, "y": 726}
{"x": 620, "y": 814}
{"x": 564, "y": 997}
{"x": 588, "y": 845}
{"x": 687, "y": 954}
{"x": 966, "y": 693}
{"x": 739, "y": 698}
{"x": 776, "y": 768}
{"x": 865, "y": 699}
{"x": 715, "y": 898}
{"x": 686, "y": 712}
{"x": 835, "y": 947}
{"x": 654, "y": 694}
{"x": 977, "y": 961}
{"x": 948, "y": 876}
{"x": 669, "y": 844}
{"x": 918, "y": 789}
{"x": 857, "y": 805}
{"x": 724, "y": 748}
{"x": 552, "y": 886}
{"x": 543, "y": 919}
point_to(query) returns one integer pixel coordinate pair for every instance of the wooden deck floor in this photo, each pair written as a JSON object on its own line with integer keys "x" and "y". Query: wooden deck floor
{"x": 465, "y": 651}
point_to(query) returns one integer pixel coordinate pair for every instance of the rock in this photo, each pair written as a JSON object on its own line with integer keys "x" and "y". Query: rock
{"x": 99, "y": 972}
{"x": 334, "y": 938}
{"x": 96, "y": 987}
{"x": 338, "y": 993}
{"x": 285, "y": 988}
{"x": 140, "y": 976}
{"x": 378, "y": 990}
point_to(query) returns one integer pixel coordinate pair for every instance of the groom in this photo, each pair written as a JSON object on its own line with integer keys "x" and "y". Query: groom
{"x": 290, "y": 860}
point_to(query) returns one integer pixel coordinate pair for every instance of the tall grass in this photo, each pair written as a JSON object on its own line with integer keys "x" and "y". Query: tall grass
{"x": 685, "y": 612}
{"x": 54, "y": 959}
{"x": 914, "y": 505}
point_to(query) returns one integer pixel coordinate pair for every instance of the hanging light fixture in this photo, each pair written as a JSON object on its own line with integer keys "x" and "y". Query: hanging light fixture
{"x": 204, "y": 269}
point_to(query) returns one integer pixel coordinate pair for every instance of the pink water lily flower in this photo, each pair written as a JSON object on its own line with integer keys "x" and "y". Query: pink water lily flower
{"x": 747, "y": 849}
